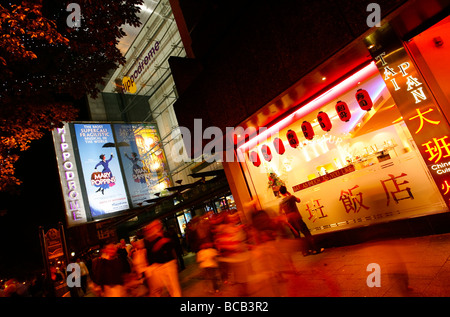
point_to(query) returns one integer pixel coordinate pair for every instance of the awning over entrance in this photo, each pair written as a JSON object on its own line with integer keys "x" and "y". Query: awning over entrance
{"x": 182, "y": 197}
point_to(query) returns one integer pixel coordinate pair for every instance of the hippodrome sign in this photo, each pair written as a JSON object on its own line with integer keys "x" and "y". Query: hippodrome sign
{"x": 129, "y": 82}
{"x": 69, "y": 176}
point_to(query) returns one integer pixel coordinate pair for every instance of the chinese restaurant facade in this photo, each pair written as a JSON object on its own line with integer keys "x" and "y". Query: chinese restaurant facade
{"x": 372, "y": 148}
{"x": 363, "y": 139}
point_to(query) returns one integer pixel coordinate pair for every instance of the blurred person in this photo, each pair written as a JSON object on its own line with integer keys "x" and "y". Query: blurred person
{"x": 266, "y": 228}
{"x": 125, "y": 245}
{"x": 288, "y": 207}
{"x": 230, "y": 240}
{"x": 190, "y": 236}
{"x": 122, "y": 251}
{"x": 203, "y": 232}
{"x": 108, "y": 272}
{"x": 138, "y": 255}
{"x": 268, "y": 257}
{"x": 207, "y": 259}
{"x": 173, "y": 235}
{"x": 84, "y": 273}
{"x": 10, "y": 288}
{"x": 162, "y": 271}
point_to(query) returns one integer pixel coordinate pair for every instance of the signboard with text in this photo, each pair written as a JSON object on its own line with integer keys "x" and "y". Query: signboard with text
{"x": 76, "y": 212}
{"x": 101, "y": 170}
{"x": 423, "y": 117}
{"x": 106, "y": 169}
{"x": 144, "y": 162}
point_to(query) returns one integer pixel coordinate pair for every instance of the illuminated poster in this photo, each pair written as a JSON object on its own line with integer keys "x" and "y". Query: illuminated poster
{"x": 429, "y": 128}
{"x": 101, "y": 169}
{"x": 182, "y": 223}
{"x": 144, "y": 163}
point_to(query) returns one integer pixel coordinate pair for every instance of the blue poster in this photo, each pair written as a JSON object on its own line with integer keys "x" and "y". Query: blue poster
{"x": 101, "y": 170}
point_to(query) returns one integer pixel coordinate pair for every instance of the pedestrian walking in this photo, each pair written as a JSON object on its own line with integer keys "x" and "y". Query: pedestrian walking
{"x": 162, "y": 271}
{"x": 207, "y": 261}
{"x": 84, "y": 273}
{"x": 230, "y": 239}
{"x": 108, "y": 271}
{"x": 173, "y": 235}
{"x": 122, "y": 251}
{"x": 288, "y": 207}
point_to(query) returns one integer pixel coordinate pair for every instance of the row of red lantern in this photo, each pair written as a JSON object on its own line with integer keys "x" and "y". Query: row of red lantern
{"x": 267, "y": 152}
{"x": 343, "y": 111}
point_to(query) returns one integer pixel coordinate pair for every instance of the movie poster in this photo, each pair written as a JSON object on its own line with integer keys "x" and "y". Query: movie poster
{"x": 144, "y": 162}
{"x": 101, "y": 169}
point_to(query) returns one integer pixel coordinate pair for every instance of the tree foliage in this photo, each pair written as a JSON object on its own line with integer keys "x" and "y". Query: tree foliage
{"x": 45, "y": 65}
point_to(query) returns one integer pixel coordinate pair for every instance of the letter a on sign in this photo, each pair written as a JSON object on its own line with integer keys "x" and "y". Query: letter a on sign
{"x": 374, "y": 278}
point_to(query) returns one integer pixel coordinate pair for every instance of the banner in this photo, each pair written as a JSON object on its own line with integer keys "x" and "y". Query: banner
{"x": 101, "y": 169}
{"x": 423, "y": 117}
{"x": 144, "y": 163}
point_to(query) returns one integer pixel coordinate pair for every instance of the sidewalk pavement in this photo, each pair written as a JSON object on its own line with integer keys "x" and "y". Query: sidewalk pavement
{"x": 416, "y": 267}
{"x": 409, "y": 267}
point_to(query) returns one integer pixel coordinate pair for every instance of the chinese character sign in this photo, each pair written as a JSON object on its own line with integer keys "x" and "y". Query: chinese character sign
{"x": 352, "y": 201}
{"x": 423, "y": 117}
{"x": 383, "y": 192}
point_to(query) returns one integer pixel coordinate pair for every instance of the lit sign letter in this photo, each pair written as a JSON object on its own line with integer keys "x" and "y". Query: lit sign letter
{"x": 419, "y": 94}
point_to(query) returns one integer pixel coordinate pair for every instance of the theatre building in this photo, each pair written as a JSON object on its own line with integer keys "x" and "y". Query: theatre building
{"x": 349, "y": 112}
{"x": 119, "y": 170}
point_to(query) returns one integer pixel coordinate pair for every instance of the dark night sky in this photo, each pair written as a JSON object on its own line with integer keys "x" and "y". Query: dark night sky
{"x": 39, "y": 203}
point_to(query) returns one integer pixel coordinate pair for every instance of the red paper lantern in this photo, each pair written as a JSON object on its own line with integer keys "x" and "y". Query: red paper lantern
{"x": 343, "y": 111}
{"x": 364, "y": 100}
{"x": 254, "y": 158}
{"x": 308, "y": 131}
{"x": 266, "y": 152}
{"x": 279, "y": 146}
{"x": 292, "y": 138}
{"x": 324, "y": 121}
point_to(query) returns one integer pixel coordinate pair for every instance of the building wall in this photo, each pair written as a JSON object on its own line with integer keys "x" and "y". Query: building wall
{"x": 246, "y": 54}
{"x": 155, "y": 88}
{"x": 251, "y": 52}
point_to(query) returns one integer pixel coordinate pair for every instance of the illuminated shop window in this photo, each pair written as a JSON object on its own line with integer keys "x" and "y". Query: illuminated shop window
{"x": 365, "y": 169}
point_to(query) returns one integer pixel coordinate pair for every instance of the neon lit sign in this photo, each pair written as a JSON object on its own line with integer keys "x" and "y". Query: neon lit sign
{"x": 422, "y": 119}
{"x": 129, "y": 82}
{"x": 70, "y": 183}
{"x": 422, "y": 116}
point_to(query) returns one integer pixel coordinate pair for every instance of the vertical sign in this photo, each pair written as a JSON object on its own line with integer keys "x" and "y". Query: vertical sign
{"x": 101, "y": 169}
{"x": 422, "y": 116}
{"x": 54, "y": 252}
{"x": 68, "y": 174}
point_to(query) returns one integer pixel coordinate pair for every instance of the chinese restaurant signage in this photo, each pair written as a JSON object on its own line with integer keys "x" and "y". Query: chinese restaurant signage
{"x": 423, "y": 117}
{"x": 324, "y": 178}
